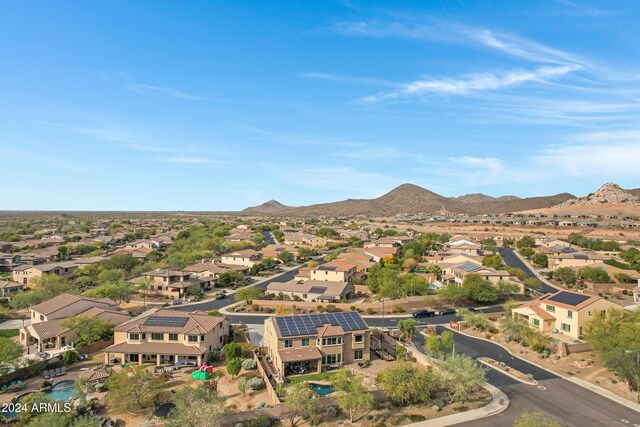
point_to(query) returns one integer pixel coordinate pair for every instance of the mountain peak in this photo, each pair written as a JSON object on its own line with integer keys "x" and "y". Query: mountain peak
{"x": 267, "y": 207}
{"x": 608, "y": 193}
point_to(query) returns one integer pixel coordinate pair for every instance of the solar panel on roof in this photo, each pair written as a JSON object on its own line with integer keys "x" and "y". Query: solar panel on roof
{"x": 169, "y": 321}
{"x": 580, "y": 256}
{"x": 307, "y": 324}
{"x": 569, "y": 298}
{"x": 317, "y": 289}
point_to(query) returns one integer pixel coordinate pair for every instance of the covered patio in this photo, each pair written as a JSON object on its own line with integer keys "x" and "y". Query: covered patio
{"x": 301, "y": 361}
{"x": 158, "y": 353}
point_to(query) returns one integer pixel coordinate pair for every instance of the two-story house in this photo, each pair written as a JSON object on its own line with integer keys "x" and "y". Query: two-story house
{"x": 309, "y": 343}
{"x": 167, "y": 336}
{"x": 311, "y": 290}
{"x": 46, "y": 330}
{"x": 8, "y": 288}
{"x": 172, "y": 283}
{"x": 334, "y": 271}
{"x": 564, "y": 312}
{"x": 9, "y": 261}
{"x": 26, "y": 273}
{"x": 247, "y": 257}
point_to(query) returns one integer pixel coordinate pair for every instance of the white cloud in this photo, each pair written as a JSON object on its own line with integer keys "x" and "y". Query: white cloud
{"x": 473, "y": 83}
{"x": 157, "y": 90}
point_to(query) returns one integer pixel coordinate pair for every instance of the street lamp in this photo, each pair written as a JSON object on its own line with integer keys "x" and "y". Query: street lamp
{"x": 637, "y": 371}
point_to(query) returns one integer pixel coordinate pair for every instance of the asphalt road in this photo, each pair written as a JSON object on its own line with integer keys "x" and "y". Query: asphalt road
{"x": 512, "y": 260}
{"x": 568, "y": 403}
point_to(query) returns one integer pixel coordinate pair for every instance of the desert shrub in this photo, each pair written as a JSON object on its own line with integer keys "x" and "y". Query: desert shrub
{"x": 331, "y": 308}
{"x": 370, "y": 311}
{"x": 249, "y": 364}
{"x": 255, "y": 383}
{"x": 416, "y": 418}
{"x": 332, "y": 412}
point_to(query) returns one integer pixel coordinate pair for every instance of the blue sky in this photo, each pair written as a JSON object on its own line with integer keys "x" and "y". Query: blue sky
{"x": 218, "y": 106}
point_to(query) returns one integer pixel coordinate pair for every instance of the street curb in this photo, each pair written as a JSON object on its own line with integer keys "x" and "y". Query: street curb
{"x": 579, "y": 382}
{"x": 507, "y": 373}
{"x": 499, "y": 403}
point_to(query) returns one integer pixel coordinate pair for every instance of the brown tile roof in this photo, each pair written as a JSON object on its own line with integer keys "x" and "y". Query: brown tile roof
{"x": 198, "y": 322}
{"x": 157, "y": 348}
{"x": 300, "y": 354}
{"x": 66, "y": 305}
{"x": 330, "y": 330}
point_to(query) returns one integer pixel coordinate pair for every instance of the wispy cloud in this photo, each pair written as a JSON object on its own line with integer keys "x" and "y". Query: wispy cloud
{"x": 472, "y": 83}
{"x": 582, "y": 9}
{"x": 453, "y": 32}
{"x": 191, "y": 160}
{"x": 147, "y": 89}
{"x": 346, "y": 79}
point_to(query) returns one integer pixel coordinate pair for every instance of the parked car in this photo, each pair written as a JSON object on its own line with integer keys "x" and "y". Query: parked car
{"x": 447, "y": 311}
{"x": 423, "y": 313}
{"x": 473, "y": 310}
{"x": 220, "y": 296}
{"x": 83, "y": 356}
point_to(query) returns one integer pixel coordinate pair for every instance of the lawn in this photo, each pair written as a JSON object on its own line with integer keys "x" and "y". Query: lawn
{"x": 325, "y": 376}
{"x": 8, "y": 333}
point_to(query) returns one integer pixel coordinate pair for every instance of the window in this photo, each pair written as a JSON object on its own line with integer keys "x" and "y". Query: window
{"x": 330, "y": 359}
{"x": 565, "y": 327}
{"x": 201, "y": 337}
{"x": 357, "y": 355}
{"x": 157, "y": 336}
{"x": 603, "y": 313}
{"x": 570, "y": 314}
{"x": 288, "y": 343}
{"x": 41, "y": 317}
{"x": 536, "y": 322}
{"x": 173, "y": 337}
{"x": 193, "y": 338}
{"x": 358, "y": 338}
{"x": 305, "y": 342}
{"x": 134, "y": 337}
{"x": 332, "y": 341}
{"x": 551, "y": 308}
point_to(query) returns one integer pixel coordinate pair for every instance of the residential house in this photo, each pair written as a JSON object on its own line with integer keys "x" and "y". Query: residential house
{"x": 26, "y": 273}
{"x": 576, "y": 259}
{"x": 313, "y": 343}
{"x": 46, "y": 330}
{"x": 173, "y": 283}
{"x": 378, "y": 252}
{"x": 272, "y": 251}
{"x": 247, "y": 257}
{"x": 9, "y": 261}
{"x": 564, "y": 312}
{"x": 311, "y": 290}
{"x": 167, "y": 336}
{"x": 211, "y": 270}
{"x": 8, "y": 288}
{"x": 334, "y": 271}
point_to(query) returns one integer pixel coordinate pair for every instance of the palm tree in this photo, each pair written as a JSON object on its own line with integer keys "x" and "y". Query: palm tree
{"x": 408, "y": 328}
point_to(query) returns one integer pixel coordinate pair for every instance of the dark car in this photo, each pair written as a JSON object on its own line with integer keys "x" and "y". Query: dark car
{"x": 423, "y": 313}
{"x": 473, "y": 310}
{"x": 447, "y": 311}
{"x": 220, "y": 296}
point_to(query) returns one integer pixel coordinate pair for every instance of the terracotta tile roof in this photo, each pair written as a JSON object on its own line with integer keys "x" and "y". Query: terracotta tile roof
{"x": 330, "y": 330}
{"x": 197, "y": 322}
{"x": 66, "y": 305}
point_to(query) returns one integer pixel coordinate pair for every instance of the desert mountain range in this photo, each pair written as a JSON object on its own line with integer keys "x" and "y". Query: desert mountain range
{"x": 410, "y": 198}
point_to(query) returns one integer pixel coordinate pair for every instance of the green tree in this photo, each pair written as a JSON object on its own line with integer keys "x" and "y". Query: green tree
{"x": 134, "y": 390}
{"x": 248, "y": 294}
{"x": 447, "y": 342}
{"x": 454, "y": 293}
{"x": 88, "y": 329}
{"x": 526, "y": 242}
{"x": 304, "y": 253}
{"x": 462, "y": 376}
{"x": 594, "y": 275}
{"x": 195, "y": 408}
{"x": 526, "y": 252}
{"x": 493, "y": 261}
{"x": 390, "y": 286}
{"x": 10, "y": 351}
{"x": 433, "y": 346}
{"x": 120, "y": 262}
{"x": 623, "y": 278}
{"x": 406, "y": 383}
{"x": 540, "y": 260}
{"x": 617, "y": 336}
{"x": 505, "y": 289}
{"x": 69, "y": 357}
{"x": 529, "y": 418}
{"x": 195, "y": 290}
{"x": 233, "y": 366}
{"x": 26, "y": 299}
{"x": 374, "y": 278}
{"x": 50, "y": 286}
{"x": 408, "y": 328}
{"x": 63, "y": 252}
{"x": 412, "y": 284}
{"x": 230, "y": 278}
{"x": 517, "y": 272}
{"x": 286, "y": 257}
{"x": 301, "y": 400}
{"x": 268, "y": 263}
{"x": 232, "y": 350}
{"x": 119, "y": 292}
{"x": 479, "y": 289}
{"x": 355, "y": 397}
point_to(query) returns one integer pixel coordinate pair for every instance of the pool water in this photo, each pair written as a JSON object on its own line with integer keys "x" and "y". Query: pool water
{"x": 322, "y": 390}
{"x": 62, "y": 391}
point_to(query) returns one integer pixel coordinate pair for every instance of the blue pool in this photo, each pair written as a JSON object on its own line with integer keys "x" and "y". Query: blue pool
{"x": 62, "y": 391}
{"x": 321, "y": 389}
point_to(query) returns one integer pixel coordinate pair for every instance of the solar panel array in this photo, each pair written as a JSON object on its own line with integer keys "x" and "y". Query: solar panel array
{"x": 569, "y": 298}
{"x": 469, "y": 266}
{"x": 317, "y": 289}
{"x": 307, "y": 324}
{"x": 169, "y": 321}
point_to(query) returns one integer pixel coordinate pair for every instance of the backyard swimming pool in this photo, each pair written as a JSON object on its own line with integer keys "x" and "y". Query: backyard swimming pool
{"x": 321, "y": 389}
{"x": 62, "y": 391}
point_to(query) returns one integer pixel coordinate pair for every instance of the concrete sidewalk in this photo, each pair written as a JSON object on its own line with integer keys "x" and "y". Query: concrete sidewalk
{"x": 499, "y": 403}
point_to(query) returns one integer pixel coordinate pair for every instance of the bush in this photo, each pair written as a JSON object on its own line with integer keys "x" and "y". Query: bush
{"x": 331, "y": 308}
{"x": 249, "y": 364}
{"x": 255, "y": 307}
{"x": 416, "y": 418}
{"x": 353, "y": 308}
{"x": 370, "y": 311}
{"x": 255, "y": 383}
{"x": 262, "y": 405}
{"x": 213, "y": 356}
{"x": 332, "y": 413}
{"x": 397, "y": 309}
{"x": 69, "y": 357}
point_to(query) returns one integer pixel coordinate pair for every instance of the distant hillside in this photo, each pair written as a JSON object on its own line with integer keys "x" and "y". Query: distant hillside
{"x": 410, "y": 198}
{"x": 635, "y": 191}
{"x": 482, "y": 198}
{"x": 610, "y": 199}
{"x": 270, "y": 207}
